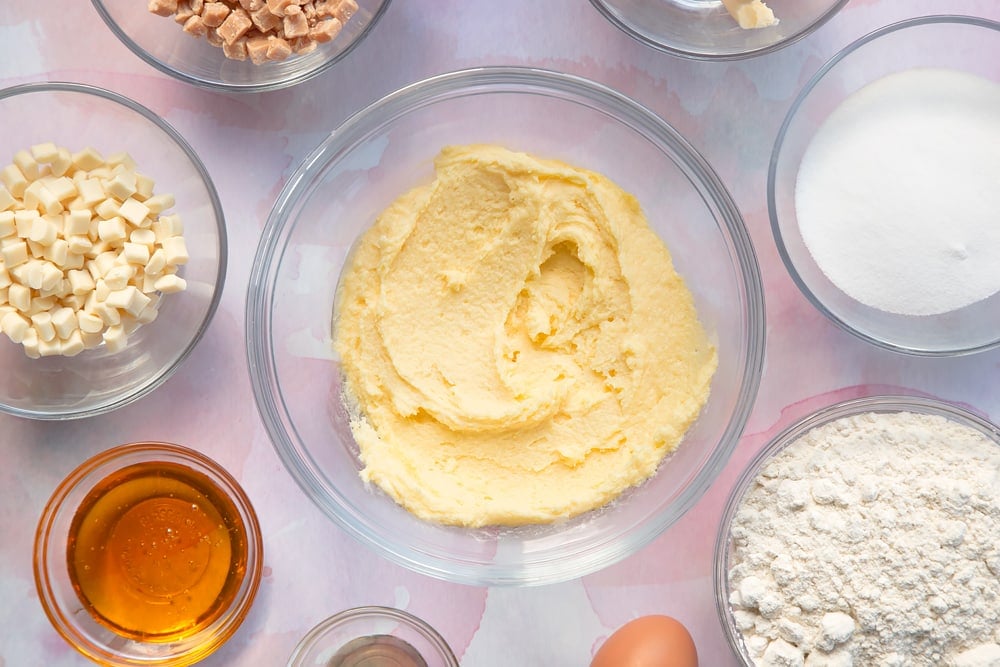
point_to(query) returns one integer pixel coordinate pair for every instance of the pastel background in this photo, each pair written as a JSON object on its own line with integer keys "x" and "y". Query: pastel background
{"x": 251, "y": 143}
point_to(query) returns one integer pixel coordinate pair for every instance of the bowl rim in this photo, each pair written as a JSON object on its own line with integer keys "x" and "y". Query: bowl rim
{"x": 880, "y": 403}
{"x": 105, "y": 463}
{"x": 772, "y": 204}
{"x": 402, "y": 616}
{"x": 220, "y": 224}
{"x": 627, "y": 28}
{"x": 213, "y": 84}
{"x": 260, "y": 297}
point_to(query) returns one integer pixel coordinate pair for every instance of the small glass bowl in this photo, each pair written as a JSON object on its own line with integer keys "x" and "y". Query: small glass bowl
{"x": 704, "y": 30}
{"x": 347, "y": 638}
{"x": 95, "y": 381}
{"x": 65, "y": 608}
{"x": 956, "y": 42}
{"x": 388, "y": 148}
{"x": 723, "y": 554}
{"x": 160, "y": 41}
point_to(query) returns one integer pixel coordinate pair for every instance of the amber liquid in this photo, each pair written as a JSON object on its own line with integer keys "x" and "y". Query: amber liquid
{"x": 156, "y": 552}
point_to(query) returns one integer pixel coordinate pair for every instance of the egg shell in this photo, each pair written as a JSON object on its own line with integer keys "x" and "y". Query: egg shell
{"x": 648, "y": 641}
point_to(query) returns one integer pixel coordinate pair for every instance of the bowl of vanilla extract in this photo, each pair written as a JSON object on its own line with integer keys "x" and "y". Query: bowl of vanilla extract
{"x": 148, "y": 553}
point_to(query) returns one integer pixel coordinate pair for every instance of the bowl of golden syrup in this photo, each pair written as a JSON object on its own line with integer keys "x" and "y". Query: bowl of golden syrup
{"x": 148, "y": 553}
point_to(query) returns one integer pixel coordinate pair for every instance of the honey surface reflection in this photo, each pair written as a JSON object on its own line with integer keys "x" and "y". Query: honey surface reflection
{"x": 157, "y": 551}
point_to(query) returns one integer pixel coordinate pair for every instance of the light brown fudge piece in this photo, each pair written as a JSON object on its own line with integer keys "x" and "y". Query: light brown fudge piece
{"x": 235, "y": 25}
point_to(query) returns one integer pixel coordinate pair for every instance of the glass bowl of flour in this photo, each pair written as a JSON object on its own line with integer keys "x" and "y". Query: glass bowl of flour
{"x": 866, "y": 534}
{"x": 882, "y": 187}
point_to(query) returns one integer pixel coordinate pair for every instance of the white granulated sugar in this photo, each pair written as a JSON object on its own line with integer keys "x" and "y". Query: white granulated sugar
{"x": 897, "y": 194}
{"x": 872, "y": 541}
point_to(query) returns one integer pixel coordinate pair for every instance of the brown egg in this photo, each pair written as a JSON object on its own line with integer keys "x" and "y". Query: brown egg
{"x": 648, "y": 641}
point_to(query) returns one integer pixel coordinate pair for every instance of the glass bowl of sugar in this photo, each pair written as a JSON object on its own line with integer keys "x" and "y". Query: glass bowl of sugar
{"x": 882, "y": 187}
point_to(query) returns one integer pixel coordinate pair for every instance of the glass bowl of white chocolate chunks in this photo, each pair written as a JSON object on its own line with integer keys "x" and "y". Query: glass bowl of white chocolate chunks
{"x": 112, "y": 250}
{"x": 241, "y": 45}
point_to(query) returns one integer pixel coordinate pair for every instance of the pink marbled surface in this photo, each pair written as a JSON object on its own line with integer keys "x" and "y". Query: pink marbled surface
{"x": 251, "y": 143}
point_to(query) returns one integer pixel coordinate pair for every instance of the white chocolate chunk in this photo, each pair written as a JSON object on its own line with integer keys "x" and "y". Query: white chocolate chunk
{"x": 30, "y": 344}
{"x": 63, "y": 188}
{"x": 102, "y": 290}
{"x": 107, "y": 209}
{"x": 14, "y": 254}
{"x": 19, "y": 296}
{"x": 42, "y": 323}
{"x": 7, "y": 227}
{"x": 112, "y": 229}
{"x": 121, "y": 158}
{"x": 87, "y": 159}
{"x": 130, "y": 299}
{"x": 64, "y": 322}
{"x": 15, "y": 326}
{"x": 159, "y": 203}
{"x": 27, "y": 164}
{"x": 143, "y": 187}
{"x": 58, "y": 252}
{"x": 176, "y": 250}
{"x": 170, "y": 284}
{"x": 13, "y": 179}
{"x": 121, "y": 186}
{"x": 167, "y": 226}
{"x": 52, "y": 276}
{"x": 49, "y": 348}
{"x": 134, "y": 211}
{"x": 7, "y": 200}
{"x": 45, "y": 153}
{"x": 79, "y": 245}
{"x": 136, "y": 253}
{"x": 81, "y": 282}
{"x": 44, "y": 230}
{"x": 91, "y": 191}
{"x": 110, "y": 315}
{"x": 88, "y": 322}
{"x": 73, "y": 344}
{"x": 76, "y": 223}
{"x": 115, "y": 338}
{"x": 62, "y": 164}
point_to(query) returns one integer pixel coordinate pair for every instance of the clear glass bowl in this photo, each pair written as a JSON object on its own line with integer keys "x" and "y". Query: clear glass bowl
{"x": 388, "y": 148}
{"x": 704, "y": 30}
{"x": 96, "y": 381}
{"x": 360, "y": 634}
{"x": 962, "y": 43}
{"x": 55, "y": 587}
{"x": 880, "y": 404}
{"x": 161, "y": 42}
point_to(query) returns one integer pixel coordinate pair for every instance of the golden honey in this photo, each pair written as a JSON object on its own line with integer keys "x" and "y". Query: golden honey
{"x": 157, "y": 552}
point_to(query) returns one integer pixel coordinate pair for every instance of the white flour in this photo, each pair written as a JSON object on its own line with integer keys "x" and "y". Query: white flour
{"x": 873, "y": 541}
{"x": 897, "y": 195}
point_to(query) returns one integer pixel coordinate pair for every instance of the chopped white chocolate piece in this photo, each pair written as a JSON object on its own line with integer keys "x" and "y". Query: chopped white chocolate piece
{"x": 118, "y": 277}
{"x": 15, "y": 326}
{"x": 159, "y": 203}
{"x": 76, "y": 223}
{"x": 62, "y": 164}
{"x": 115, "y": 338}
{"x": 146, "y": 237}
{"x": 108, "y": 313}
{"x": 19, "y": 296}
{"x": 45, "y": 153}
{"x": 143, "y": 187}
{"x": 130, "y": 299}
{"x": 49, "y": 348}
{"x": 121, "y": 186}
{"x": 107, "y": 209}
{"x": 64, "y": 322}
{"x": 167, "y": 226}
{"x": 89, "y": 322}
{"x": 112, "y": 229}
{"x": 7, "y": 227}
{"x": 121, "y": 158}
{"x": 14, "y": 254}
{"x": 13, "y": 179}
{"x": 63, "y": 188}
{"x": 91, "y": 191}
{"x": 176, "y": 250}
{"x": 134, "y": 211}
{"x": 52, "y": 276}
{"x": 170, "y": 283}
{"x": 7, "y": 200}
{"x": 42, "y": 323}
{"x": 44, "y": 230}
{"x": 87, "y": 159}
{"x": 57, "y": 252}
{"x": 73, "y": 344}
{"x": 27, "y": 164}
{"x": 136, "y": 253}
{"x": 81, "y": 282}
